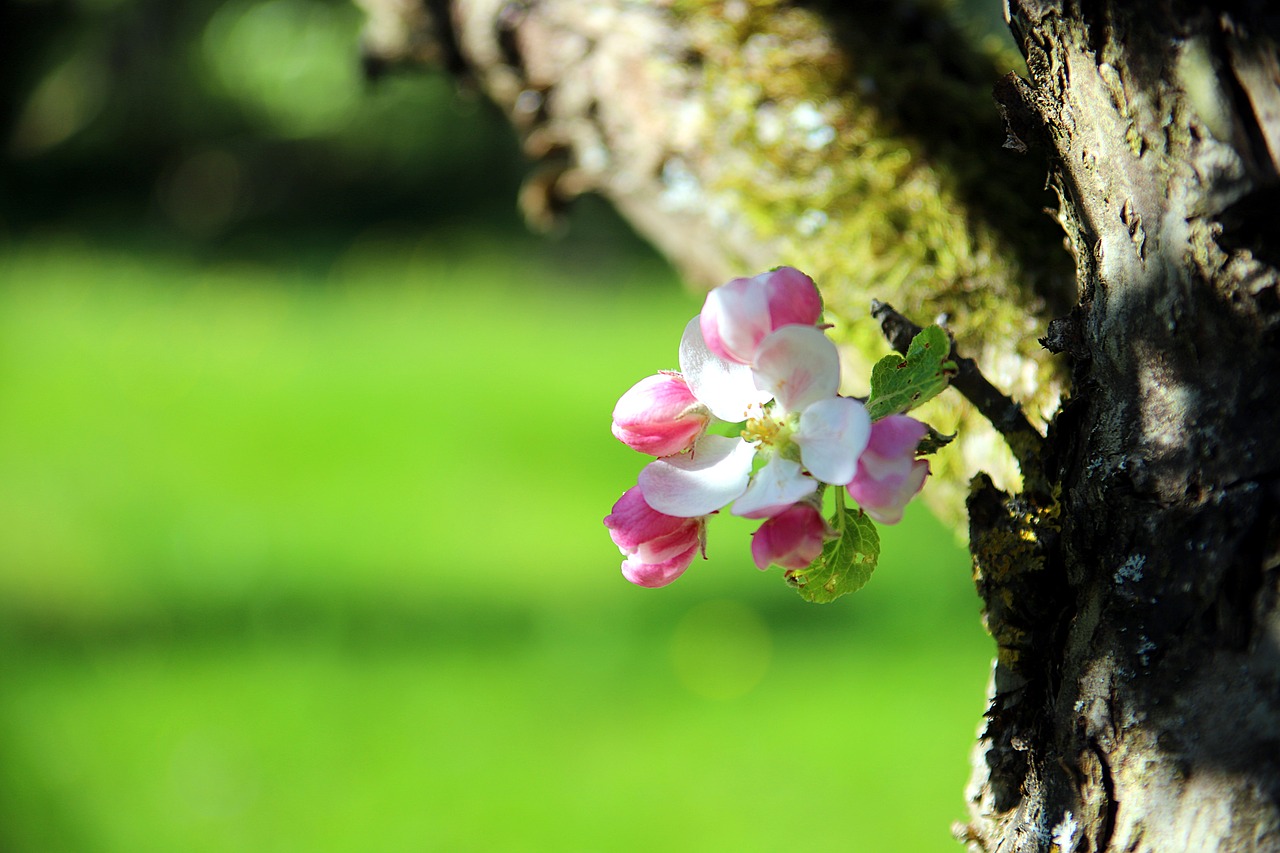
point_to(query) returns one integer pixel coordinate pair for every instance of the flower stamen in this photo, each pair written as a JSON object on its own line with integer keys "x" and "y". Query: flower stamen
{"x": 761, "y": 430}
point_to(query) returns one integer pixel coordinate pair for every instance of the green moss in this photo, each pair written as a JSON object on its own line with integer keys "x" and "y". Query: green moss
{"x": 803, "y": 150}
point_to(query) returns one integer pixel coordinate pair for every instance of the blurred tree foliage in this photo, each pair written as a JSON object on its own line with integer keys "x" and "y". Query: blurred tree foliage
{"x": 208, "y": 121}
{"x": 205, "y": 121}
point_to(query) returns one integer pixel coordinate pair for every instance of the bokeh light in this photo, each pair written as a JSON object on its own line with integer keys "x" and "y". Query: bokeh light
{"x": 291, "y": 61}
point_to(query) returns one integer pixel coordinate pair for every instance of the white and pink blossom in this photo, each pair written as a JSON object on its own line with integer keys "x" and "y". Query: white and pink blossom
{"x": 754, "y": 419}
{"x": 794, "y": 423}
{"x": 889, "y": 474}
{"x": 737, "y": 316}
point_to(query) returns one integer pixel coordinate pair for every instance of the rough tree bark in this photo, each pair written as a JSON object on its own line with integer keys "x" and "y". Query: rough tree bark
{"x": 1130, "y": 578}
{"x": 1137, "y": 701}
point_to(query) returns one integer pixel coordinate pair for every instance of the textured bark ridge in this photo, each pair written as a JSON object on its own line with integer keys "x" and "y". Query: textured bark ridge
{"x": 858, "y": 142}
{"x": 1137, "y": 693}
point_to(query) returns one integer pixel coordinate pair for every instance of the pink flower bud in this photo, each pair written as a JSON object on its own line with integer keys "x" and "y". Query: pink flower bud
{"x": 791, "y": 539}
{"x": 659, "y": 415}
{"x": 793, "y": 298}
{"x": 738, "y": 315}
{"x": 658, "y": 547}
{"x": 889, "y": 475}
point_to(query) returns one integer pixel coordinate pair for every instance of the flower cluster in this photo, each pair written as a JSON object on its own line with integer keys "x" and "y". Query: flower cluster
{"x": 754, "y": 419}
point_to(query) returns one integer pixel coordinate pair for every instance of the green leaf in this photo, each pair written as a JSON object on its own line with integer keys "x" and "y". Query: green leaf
{"x": 900, "y": 383}
{"x": 846, "y": 563}
{"x": 934, "y": 441}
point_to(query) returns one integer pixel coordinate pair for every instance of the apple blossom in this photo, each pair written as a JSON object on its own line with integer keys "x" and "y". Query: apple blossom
{"x": 888, "y": 474}
{"x": 658, "y": 547}
{"x": 792, "y": 539}
{"x": 659, "y": 415}
{"x": 754, "y": 420}
{"x": 794, "y": 421}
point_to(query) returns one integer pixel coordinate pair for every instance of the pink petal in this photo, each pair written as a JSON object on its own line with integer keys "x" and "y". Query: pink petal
{"x": 658, "y": 547}
{"x": 654, "y": 575}
{"x": 633, "y": 522}
{"x": 701, "y": 481}
{"x": 673, "y": 544}
{"x": 737, "y": 316}
{"x": 831, "y": 435}
{"x": 774, "y": 488}
{"x": 734, "y": 319}
{"x": 896, "y": 435}
{"x": 792, "y": 298}
{"x": 883, "y": 498}
{"x": 792, "y": 539}
{"x": 659, "y": 415}
{"x": 889, "y": 475}
{"x": 727, "y": 388}
{"x": 798, "y": 365}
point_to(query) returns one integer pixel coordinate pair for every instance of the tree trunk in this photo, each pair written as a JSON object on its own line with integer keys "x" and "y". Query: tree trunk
{"x": 1137, "y": 692}
{"x": 1132, "y": 584}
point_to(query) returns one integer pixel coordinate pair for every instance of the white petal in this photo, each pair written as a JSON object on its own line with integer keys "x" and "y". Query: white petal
{"x": 701, "y": 481}
{"x": 799, "y": 366}
{"x": 832, "y": 435}
{"x": 775, "y": 487}
{"x": 727, "y": 388}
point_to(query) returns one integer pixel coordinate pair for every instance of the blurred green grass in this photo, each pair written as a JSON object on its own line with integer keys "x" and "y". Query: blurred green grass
{"x": 308, "y": 556}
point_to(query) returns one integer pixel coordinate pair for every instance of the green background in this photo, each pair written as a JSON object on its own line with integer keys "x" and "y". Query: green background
{"x": 304, "y": 451}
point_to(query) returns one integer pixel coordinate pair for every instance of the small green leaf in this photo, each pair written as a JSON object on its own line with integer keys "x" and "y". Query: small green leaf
{"x": 846, "y": 563}
{"x": 934, "y": 441}
{"x": 900, "y": 383}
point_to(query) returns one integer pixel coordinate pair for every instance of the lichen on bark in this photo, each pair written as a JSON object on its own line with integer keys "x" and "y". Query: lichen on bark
{"x": 1147, "y": 708}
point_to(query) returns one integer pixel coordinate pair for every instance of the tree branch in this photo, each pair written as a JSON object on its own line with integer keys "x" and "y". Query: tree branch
{"x": 1026, "y": 443}
{"x": 1134, "y": 589}
{"x": 857, "y": 144}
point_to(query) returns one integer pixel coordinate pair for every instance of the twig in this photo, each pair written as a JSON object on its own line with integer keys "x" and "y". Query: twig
{"x": 1005, "y": 415}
